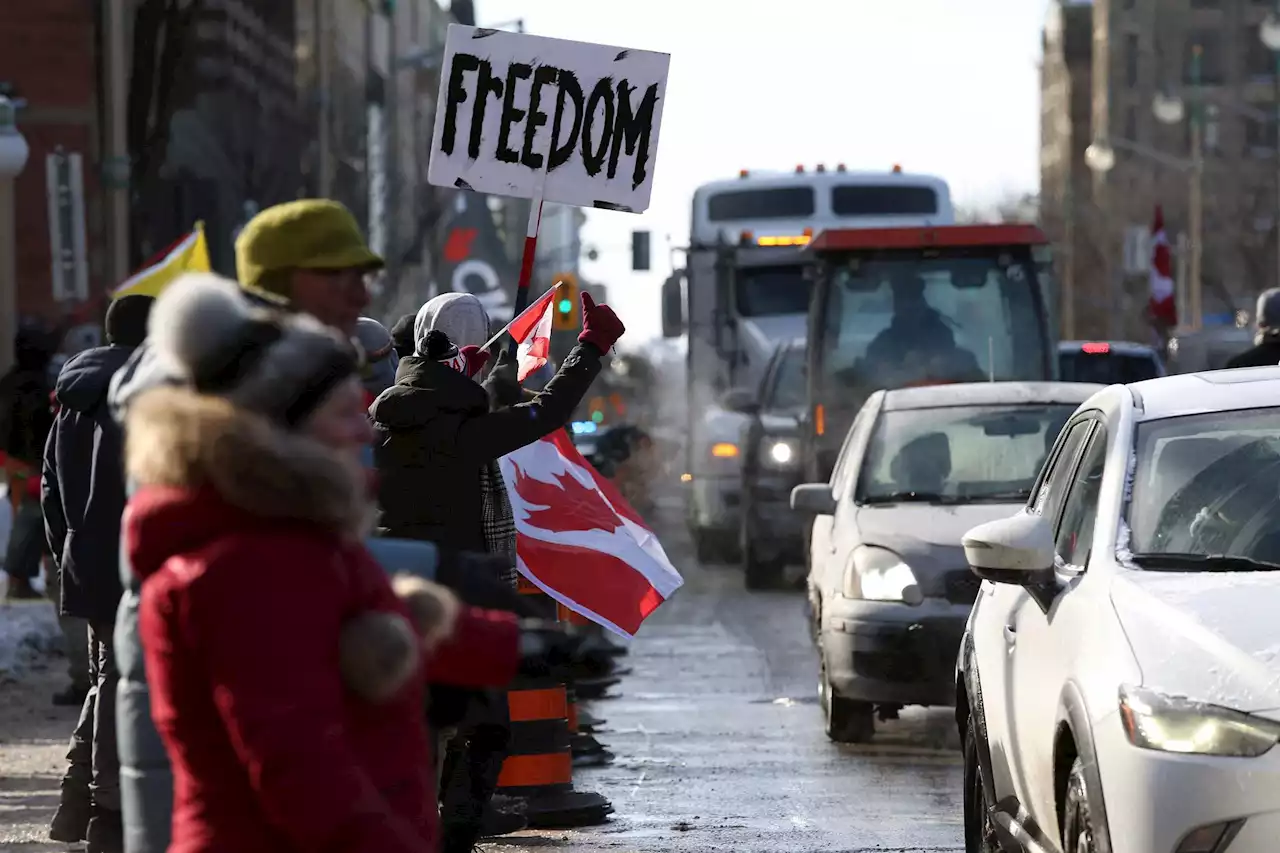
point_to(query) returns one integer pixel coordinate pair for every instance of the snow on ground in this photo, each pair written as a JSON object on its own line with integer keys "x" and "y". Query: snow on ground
{"x": 28, "y": 630}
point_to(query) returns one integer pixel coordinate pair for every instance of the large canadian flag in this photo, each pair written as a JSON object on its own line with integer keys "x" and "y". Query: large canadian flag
{"x": 532, "y": 332}
{"x": 1163, "y": 304}
{"x": 580, "y": 542}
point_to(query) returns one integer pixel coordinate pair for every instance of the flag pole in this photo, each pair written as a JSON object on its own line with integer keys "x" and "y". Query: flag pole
{"x": 530, "y": 241}
{"x": 512, "y": 321}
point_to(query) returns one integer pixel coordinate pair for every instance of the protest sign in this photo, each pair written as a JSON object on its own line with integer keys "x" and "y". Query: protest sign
{"x": 548, "y": 119}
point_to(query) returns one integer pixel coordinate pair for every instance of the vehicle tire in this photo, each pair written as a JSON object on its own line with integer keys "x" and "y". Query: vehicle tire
{"x": 761, "y": 574}
{"x": 846, "y": 721}
{"x": 1077, "y": 823}
{"x": 704, "y": 548}
{"x": 979, "y": 831}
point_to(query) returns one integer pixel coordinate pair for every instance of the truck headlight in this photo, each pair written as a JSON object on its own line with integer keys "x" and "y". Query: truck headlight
{"x": 780, "y": 454}
{"x": 878, "y": 574}
{"x": 1175, "y": 724}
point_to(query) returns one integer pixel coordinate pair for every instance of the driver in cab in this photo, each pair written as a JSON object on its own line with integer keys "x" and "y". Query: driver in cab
{"x": 918, "y": 341}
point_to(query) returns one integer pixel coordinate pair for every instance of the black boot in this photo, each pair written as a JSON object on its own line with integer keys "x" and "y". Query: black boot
{"x": 70, "y": 822}
{"x": 503, "y": 816}
{"x": 105, "y": 833}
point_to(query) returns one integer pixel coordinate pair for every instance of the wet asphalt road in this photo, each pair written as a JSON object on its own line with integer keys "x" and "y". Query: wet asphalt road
{"x": 719, "y": 743}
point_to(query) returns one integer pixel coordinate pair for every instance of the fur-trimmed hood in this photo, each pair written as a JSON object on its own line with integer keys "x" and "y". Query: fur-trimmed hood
{"x": 183, "y": 446}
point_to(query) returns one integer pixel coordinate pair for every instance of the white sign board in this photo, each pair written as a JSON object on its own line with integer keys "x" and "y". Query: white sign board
{"x": 532, "y": 117}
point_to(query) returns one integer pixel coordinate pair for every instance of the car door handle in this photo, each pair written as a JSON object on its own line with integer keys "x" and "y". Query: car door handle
{"x": 1010, "y": 635}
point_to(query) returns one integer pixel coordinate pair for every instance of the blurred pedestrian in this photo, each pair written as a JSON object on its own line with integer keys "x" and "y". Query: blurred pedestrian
{"x": 25, "y": 401}
{"x": 380, "y": 359}
{"x": 438, "y": 425}
{"x": 402, "y": 335}
{"x": 1265, "y": 351}
{"x": 247, "y": 527}
{"x": 83, "y": 500}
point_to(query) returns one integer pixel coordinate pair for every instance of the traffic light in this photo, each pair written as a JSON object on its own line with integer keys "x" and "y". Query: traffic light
{"x": 641, "y": 251}
{"x": 567, "y": 316}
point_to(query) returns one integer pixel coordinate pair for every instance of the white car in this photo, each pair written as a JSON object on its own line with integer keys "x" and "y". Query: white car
{"x": 1118, "y": 684}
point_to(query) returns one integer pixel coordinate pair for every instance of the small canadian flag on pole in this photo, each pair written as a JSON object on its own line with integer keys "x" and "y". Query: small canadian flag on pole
{"x": 1163, "y": 305}
{"x": 531, "y": 330}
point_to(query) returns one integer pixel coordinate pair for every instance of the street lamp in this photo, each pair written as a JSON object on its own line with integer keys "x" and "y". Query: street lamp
{"x": 1100, "y": 157}
{"x": 13, "y": 159}
{"x": 1168, "y": 108}
{"x": 1269, "y": 31}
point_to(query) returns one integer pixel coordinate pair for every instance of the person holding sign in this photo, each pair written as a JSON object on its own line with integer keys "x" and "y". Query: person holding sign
{"x": 439, "y": 439}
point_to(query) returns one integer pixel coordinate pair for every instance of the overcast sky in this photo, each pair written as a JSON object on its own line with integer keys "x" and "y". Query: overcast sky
{"x": 937, "y": 86}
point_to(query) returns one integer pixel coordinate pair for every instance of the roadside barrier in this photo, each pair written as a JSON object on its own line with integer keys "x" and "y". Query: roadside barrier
{"x": 539, "y": 765}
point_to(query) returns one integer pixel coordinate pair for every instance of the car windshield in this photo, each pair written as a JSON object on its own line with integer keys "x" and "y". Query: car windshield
{"x": 959, "y": 454}
{"x": 789, "y": 384}
{"x": 1106, "y": 368}
{"x": 765, "y": 291}
{"x": 903, "y": 319}
{"x": 1206, "y": 486}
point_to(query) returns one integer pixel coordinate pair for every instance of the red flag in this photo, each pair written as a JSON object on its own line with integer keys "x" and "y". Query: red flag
{"x": 1163, "y": 304}
{"x": 580, "y": 542}
{"x": 532, "y": 331}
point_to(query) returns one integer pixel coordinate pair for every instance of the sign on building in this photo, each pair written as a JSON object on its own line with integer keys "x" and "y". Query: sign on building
{"x": 1137, "y": 250}
{"x": 551, "y": 119}
{"x": 64, "y": 186}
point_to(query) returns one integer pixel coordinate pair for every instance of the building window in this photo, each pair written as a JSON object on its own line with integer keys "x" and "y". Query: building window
{"x": 1131, "y": 60}
{"x": 1131, "y": 123}
{"x": 1211, "y": 65}
{"x": 1259, "y": 61}
{"x": 1259, "y": 136}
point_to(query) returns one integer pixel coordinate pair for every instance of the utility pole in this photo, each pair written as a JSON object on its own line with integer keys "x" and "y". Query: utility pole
{"x": 117, "y": 163}
{"x": 392, "y": 107}
{"x": 324, "y": 185}
{"x": 1196, "y": 212}
{"x": 13, "y": 159}
{"x": 1068, "y": 297}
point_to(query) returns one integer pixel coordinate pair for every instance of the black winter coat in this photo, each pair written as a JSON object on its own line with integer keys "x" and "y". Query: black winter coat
{"x": 1265, "y": 354}
{"x": 83, "y": 487}
{"x": 435, "y": 431}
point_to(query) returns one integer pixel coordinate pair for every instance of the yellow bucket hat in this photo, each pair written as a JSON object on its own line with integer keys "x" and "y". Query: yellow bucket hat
{"x": 310, "y": 233}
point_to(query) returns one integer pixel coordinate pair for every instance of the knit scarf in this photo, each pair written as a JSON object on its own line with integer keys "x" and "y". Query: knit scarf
{"x": 497, "y": 519}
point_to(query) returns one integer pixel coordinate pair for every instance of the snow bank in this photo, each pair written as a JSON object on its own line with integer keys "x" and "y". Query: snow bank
{"x": 28, "y": 630}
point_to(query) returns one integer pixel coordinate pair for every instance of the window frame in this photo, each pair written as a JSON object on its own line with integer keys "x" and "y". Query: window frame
{"x": 1096, "y": 438}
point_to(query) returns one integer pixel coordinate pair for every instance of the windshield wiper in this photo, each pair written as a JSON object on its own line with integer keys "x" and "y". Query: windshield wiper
{"x": 1000, "y": 497}
{"x": 912, "y": 497}
{"x": 1181, "y": 562}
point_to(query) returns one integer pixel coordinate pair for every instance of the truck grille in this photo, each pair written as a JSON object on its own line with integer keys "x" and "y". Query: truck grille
{"x": 962, "y": 587}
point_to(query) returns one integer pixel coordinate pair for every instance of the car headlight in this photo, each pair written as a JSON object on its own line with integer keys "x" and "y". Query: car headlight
{"x": 878, "y": 574}
{"x": 1175, "y": 724}
{"x": 780, "y": 454}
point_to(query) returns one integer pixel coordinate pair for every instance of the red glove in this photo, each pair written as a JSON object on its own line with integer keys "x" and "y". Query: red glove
{"x": 600, "y": 326}
{"x": 474, "y": 358}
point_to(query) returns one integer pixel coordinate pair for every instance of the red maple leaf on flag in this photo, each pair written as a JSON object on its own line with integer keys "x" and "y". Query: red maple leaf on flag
{"x": 565, "y": 506}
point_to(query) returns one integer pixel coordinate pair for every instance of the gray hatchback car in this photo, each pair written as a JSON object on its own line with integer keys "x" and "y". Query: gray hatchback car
{"x": 889, "y": 588}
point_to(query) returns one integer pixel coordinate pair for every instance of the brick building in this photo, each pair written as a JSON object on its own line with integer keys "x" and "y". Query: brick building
{"x": 1142, "y": 48}
{"x": 49, "y": 57}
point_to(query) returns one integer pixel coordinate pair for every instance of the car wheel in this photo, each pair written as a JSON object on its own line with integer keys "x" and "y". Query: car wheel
{"x": 704, "y": 548}
{"x": 846, "y": 721}
{"x": 760, "y": 574}
{"x": 979, "y": 831}
{"x": 1077, "y": 823}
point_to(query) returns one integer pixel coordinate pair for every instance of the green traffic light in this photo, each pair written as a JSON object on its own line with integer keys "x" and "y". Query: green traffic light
{"x": 597, "y": 416}
{"x": 564, "y": 306}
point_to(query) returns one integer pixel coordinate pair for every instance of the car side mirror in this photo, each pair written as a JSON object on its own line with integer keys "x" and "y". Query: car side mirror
{"x": 814, "y": 499}
{"x": 1017, "y": 550}
{"x": 740, "y": 400}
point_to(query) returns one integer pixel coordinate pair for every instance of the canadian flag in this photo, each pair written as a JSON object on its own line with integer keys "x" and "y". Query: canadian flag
{"x": 532, "y": 332}
{"x": 580, "y": 542}
{"x": 1163, "y": 305}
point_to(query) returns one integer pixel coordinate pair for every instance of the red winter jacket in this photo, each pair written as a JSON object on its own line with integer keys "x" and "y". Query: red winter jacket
{"x": 247, "y": 586}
